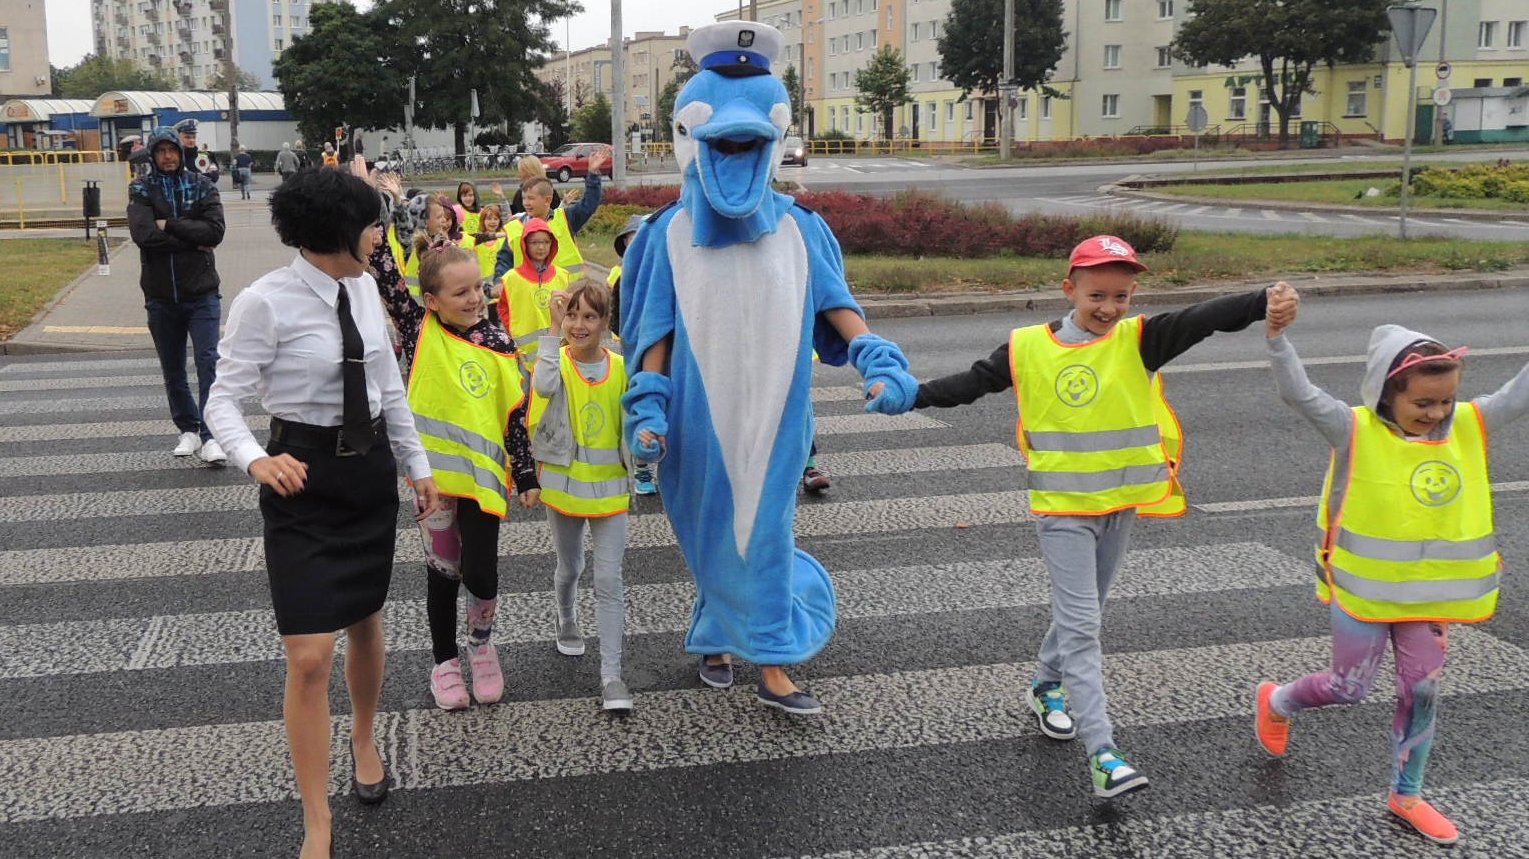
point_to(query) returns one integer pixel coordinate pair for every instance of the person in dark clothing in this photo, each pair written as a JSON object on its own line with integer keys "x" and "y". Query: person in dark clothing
{"x": 176, "y": 219}
{"x": 244, "y": 165}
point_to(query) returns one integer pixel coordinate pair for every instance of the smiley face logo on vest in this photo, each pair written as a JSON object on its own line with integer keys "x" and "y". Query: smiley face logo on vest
{"x": 592, "y": 418}
{"x": 474, "y": 379}
{"x": 1435, "y": 484}
{"x": 1077, "y": 385}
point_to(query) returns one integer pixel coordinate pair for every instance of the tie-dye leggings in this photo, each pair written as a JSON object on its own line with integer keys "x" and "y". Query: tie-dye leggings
{"x": 1358, "y": 646}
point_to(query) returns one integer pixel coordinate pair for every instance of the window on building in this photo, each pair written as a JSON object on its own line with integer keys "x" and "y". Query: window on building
{"x": 1112, "y": 56}
{"x": 1512, "y": 81}
{"x": 1022, "y": 108}
{"x": 832, "y": 14}
{"x": 1164, "y": 57}
{"x": 968, "y": 111}
{"x": 873, "y": 37}
{"x": 1486, "y": 34}
{"x": 844, "y": 111}
{"x": 859, "y": 7}
{"x": 931, "y": 115}
{"x": 916, "y": 29}
{"x": 1358, "y": 93}
{"x": 833, "y": 47}
{"x": 1046, "y": 107}
{"x": 1111, "y": 106}
{"x": 859, "y": 41}
{"x": 1112, "y": 10}
{"x": 913, "y": 73}
{"x": 934, "y": 71}
{"x": 833, "y": 120}
{"x": 5, "y": 49}
{"x": 1516, "y": 33}
{"x": 950, "y": 112}
{"x": 1239, "y": 103}
{"x": 934, "y": 29}
{"x": 1165, "y": 8}
{"x": 278, "y": 45}
{"x": 859, "y": 123}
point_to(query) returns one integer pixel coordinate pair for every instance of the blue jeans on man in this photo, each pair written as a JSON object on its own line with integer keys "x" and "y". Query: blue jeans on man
{"x": 170, "y": 323}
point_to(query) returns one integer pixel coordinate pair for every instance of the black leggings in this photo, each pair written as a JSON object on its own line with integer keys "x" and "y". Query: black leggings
{"x": 461, "y": 548}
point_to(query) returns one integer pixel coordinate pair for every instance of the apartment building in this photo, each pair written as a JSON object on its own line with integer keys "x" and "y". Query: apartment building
{"x": 1118, "y": 76}
{"x": 649, "y": 56}
{"x": 188, "y": 38}
{"x": 23, "y": 50}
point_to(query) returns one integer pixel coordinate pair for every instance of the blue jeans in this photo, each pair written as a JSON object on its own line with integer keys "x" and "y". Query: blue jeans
{"x": 169, "y": 324}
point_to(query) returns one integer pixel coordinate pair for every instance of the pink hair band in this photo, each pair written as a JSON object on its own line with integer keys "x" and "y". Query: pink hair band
{"x": 1415, "y": 359}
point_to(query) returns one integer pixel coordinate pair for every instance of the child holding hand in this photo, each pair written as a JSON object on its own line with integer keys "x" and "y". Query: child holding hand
{"x": 583, "y": 471}
{"x": 1408, "y": 544}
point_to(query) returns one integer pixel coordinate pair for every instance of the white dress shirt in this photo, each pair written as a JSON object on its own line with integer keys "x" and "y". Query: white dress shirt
{"x": 283, "y": 344}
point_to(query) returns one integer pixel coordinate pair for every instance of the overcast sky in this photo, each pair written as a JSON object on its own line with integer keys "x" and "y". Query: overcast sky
{"x": 69, "y": 34}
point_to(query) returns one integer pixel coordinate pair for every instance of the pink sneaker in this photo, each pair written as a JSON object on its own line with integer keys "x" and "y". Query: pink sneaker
{"x": 447, "y": 686}
{"x": 488, "y": 679}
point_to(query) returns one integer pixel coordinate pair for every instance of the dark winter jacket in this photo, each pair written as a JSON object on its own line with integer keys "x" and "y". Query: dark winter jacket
{"x": 177, "y": 261}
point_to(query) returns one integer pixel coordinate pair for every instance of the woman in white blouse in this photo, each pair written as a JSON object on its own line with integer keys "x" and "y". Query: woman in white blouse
{"x": 310, "y": 340}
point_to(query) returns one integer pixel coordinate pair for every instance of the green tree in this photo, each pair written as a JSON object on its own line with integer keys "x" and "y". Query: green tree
{"x": 94, "y": 75}
{"x": 592, "y": 122}
{"x": 457, "y": 46}
{"x": 1290, "y": 38}
{"x": 685, "y": 68}
{"x": 882, "y": 86}
{"x": 342, "y": 73}
{"x": 793, "y": 83}
{"x": 971, "y": 45}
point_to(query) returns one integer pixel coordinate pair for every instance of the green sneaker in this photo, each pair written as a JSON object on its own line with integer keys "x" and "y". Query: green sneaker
{"x": 1113, "y": 775}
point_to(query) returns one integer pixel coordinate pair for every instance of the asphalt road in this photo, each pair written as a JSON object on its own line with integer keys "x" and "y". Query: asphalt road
{"x": 1075, "y": 189}
{"x": 140, "y": 678}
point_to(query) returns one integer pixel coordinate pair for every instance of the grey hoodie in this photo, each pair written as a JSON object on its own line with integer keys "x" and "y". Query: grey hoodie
{"x": 1334, "y": 418}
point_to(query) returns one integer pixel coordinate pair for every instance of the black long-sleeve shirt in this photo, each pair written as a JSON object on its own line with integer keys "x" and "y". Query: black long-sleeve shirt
{"x": 1163, "y": 338}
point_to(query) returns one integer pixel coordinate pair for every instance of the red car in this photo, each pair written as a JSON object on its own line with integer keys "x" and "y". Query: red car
{"x": 572, "y": 160}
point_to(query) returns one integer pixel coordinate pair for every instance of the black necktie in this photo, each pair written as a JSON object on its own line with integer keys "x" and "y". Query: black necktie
{"x": 357, "y": 412}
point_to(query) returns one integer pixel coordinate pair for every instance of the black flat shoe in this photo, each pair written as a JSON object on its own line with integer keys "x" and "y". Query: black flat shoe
{"x": 368, "y": 794}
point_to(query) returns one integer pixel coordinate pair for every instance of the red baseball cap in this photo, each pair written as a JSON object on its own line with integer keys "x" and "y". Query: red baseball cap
{"x": 1102, "y": 250}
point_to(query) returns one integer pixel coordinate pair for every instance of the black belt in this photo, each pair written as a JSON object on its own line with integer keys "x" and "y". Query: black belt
{"x": 294, "y": 434}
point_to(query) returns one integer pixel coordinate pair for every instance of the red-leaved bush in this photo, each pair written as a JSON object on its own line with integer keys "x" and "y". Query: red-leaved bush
{"x": 925, "y": 224}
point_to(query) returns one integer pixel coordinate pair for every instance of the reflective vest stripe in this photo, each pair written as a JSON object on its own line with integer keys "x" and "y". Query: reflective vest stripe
{"x": 1094, "y": 442}
{"x": 597, "y": 455}
{"x": 1415, "y": 590}
{"x": 589, "y": 490}
{"x": 525, "y": 341}
{"x": 1412, "y": 551}
{"x": 1098, "y": 481}
{"x": 452, "y": 463}
{"x": 494, "y": 450}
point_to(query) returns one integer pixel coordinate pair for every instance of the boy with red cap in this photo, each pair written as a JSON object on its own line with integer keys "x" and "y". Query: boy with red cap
{"x": 1103, "y": 447}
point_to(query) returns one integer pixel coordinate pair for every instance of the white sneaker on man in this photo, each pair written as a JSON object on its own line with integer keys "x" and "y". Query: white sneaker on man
{"x": 212, "y": 453}
{"x": 190, "y": 443}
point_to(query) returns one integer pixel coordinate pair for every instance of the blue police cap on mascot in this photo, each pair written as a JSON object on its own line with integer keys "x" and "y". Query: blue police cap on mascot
{"x": 736, "y": 284}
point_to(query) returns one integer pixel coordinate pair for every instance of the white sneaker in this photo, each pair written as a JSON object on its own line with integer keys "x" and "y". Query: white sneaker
{"x": 190, "y": 443}
{"x": 212, "y": 453}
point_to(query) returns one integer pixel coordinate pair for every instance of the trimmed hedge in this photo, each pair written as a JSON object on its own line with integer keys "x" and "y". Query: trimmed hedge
{"x": 926, "y": 224}
{"x": 1504, "y": 180}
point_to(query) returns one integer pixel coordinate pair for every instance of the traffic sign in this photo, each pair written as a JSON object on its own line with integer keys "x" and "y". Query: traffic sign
{"x": 1198, "y": 119}
{"x": 1442, "y": 96}
{"x": 1442, "y": 71}
{"x": 1410, "y": 25}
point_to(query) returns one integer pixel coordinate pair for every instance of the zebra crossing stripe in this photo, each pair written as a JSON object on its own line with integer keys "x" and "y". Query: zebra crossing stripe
{"x": 207, "y": 557}
{"x": 225, "y": 638}
{"x": 75, "y": 383}
{"x": 73, "y": 368}
{"x": 165, "y": 769}
{"x": 1490, "y": 814}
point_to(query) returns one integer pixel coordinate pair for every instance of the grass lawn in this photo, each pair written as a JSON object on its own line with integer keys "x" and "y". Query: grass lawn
{"x": 36, "y": 270}
{"x": 1198, "y": 258}
{"x": 1339, "y": 191}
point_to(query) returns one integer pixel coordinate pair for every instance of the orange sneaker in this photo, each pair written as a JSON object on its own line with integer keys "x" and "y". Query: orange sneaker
{"x": 1424, "y": 818}
{"x": 1273, "y": 730}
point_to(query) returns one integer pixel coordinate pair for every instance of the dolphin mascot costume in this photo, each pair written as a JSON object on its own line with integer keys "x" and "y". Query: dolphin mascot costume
{"x": 736, "y": 284}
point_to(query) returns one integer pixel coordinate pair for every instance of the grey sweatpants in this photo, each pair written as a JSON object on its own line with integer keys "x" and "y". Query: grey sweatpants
{"x": 1082, "y": 555}
{"x": 609, "y": 535}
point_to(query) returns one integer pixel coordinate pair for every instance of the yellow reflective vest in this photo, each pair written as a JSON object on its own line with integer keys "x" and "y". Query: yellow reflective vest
{"x": 596, "y": 483}
{"x": 1094, "y": 426}
{"x": 568, "y": 257}
{"x": 488, "y": 253}
{"x": 614, "y": 277}
{"x": 408, "y": 263}
{"x": 1407, "y": 530}
{"x": 462, "y": 396}
{"x": 524, "y": 308}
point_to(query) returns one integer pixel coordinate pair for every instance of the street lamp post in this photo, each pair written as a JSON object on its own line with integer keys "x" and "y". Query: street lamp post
{"x": 618, "y": 98}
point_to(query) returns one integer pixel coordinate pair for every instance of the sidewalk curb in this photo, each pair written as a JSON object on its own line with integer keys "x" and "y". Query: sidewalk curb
{"x": 1119, "y": 190}
{"x": 29, "y": 340}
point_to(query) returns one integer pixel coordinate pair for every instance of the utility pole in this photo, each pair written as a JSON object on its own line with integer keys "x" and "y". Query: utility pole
{"x": 231, "y": 69}
{"x": 618, "y": 99}
{"x": 1438, "y": 112}
{"x": 568, "y": 64}
{"x": 1005, "y": 86}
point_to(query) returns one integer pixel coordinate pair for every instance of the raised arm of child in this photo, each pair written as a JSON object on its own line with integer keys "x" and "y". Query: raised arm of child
{"x": 1507, "y": 404}
{"x": 986, "y": 376}
{"x": 1331, "y": 416}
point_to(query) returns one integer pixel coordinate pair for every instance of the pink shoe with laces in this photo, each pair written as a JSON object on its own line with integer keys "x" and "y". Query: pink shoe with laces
{"x": 447, "y": 686}
{"x": 488, "y": 679}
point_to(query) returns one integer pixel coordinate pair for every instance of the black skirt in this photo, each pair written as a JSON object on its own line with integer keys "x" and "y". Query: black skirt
{"x": 329, "y": 548}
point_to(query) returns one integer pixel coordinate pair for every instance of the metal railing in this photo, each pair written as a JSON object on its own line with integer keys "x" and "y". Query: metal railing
{"x": 901, "y": 146}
